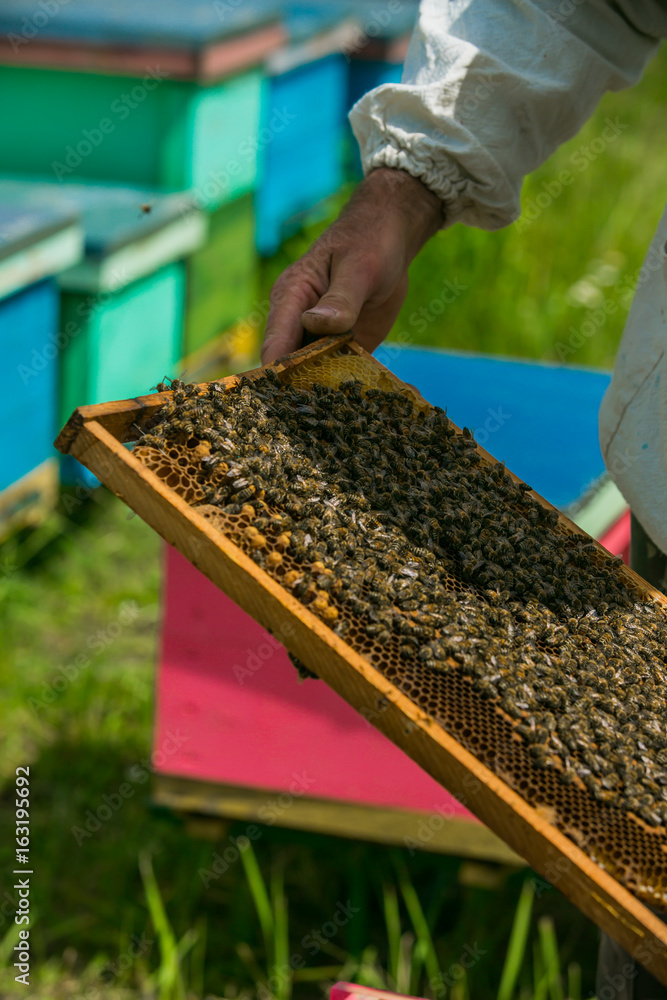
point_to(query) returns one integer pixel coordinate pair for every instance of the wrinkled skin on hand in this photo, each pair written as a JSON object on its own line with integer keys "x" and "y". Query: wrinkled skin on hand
{"x": 355, "y": 276}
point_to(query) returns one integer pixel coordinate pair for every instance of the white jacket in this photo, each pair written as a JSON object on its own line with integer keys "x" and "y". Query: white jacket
{"x": 490, "y": 89}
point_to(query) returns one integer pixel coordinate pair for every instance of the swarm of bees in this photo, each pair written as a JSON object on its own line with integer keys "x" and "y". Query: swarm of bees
{"x": 386, "y": 521}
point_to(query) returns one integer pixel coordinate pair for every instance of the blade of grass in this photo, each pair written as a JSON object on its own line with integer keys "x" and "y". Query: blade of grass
{"x": 574, "y": 981}
{"x": 405, "y": 963}
{"x": 187, "y": 942}
{"x": 426, "y": 952}
{"x": 260, "y": 898}
{"x": 459, "y": 990}
{"x": 392, "y": 919}
{"x": 333, "y": 951}
{"x": 170, "y": 980}
{"x": 418, "y": 959}
{"x": 549, "y": 948}
{"x": 198, "y": 959}
{"x": 247, "y": 956}
{"x": 281, "y": 967}
{"x": 540, "y": 984}
{"x": 368, "y": 972}
{"x": 516, "y": 948}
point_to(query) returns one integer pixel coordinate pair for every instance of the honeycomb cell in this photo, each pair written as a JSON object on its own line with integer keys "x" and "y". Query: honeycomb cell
{"x": 561, "y": 700}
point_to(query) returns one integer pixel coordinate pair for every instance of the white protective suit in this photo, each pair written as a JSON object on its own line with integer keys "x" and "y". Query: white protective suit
{"x": 490, "y": 89}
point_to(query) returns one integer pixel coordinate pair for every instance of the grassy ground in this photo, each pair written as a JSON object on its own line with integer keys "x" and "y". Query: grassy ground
{"x": 123, "y": 911}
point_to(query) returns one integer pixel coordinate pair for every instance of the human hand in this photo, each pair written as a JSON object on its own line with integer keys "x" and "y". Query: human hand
{"x": 355, "y": 276}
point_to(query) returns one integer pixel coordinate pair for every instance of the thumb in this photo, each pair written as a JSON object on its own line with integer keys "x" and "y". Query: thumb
{"x": 337, "y": 311}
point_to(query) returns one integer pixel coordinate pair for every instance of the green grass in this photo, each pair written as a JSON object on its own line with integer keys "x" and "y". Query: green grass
{"x": 122, "y": 911}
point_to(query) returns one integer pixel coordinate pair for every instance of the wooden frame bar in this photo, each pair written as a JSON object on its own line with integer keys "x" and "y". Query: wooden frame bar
{"x": 330, "y": 816}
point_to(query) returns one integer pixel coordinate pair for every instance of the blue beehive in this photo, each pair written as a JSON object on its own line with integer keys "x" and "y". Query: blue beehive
{"x": 302, "y": 136}
{"x": 525, "y": 413}
{"x": 378, "y": 56}
{"x": 34, "y": 245}
{"x": 122, "y": 305}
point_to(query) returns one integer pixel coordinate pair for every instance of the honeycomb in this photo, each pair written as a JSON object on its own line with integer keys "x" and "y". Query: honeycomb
{"x": 619, "y": 840}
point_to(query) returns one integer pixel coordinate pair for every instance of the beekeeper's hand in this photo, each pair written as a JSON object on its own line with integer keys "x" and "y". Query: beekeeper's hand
{"x": 355, "y": 276}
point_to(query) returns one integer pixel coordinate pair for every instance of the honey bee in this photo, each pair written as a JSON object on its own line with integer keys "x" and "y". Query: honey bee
{"x": 391, "y": 517}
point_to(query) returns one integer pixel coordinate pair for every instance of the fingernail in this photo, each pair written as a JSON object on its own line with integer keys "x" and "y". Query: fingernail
{"x": 322, "y": 311}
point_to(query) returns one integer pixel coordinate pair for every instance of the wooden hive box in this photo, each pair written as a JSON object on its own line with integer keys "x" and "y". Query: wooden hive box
{"x": 435, "y": 717}
{"x": 35, "y": 244}
{"x": 166, "y": 93}
{"x": 303, "y": 126}
{"x": 122, "y": 305}
{"x": 377, "y": 57}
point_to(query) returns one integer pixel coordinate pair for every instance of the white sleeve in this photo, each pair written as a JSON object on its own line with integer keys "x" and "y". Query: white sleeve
{"x": 491, "y": 87}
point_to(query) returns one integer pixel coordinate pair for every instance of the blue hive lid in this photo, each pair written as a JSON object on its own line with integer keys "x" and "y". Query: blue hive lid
{"x": 22, "y": 226}
{"x": 156, "y": 228}
{"x": 170, "y": 23}
{"x": 36, "y": 242}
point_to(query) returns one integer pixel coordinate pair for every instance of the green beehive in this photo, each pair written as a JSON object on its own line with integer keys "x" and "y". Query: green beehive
{"x": 162, "y": 94}
{"x": 222, "y": 276}
{"x": 73, "y": 126}
{"x": 119, "y": 342}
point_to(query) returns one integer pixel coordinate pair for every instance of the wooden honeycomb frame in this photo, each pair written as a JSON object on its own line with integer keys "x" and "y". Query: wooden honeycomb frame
{"x": 95, "y": 435}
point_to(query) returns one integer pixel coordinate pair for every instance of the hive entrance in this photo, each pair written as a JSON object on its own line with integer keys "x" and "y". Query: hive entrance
{"x": 524, "y": 641}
